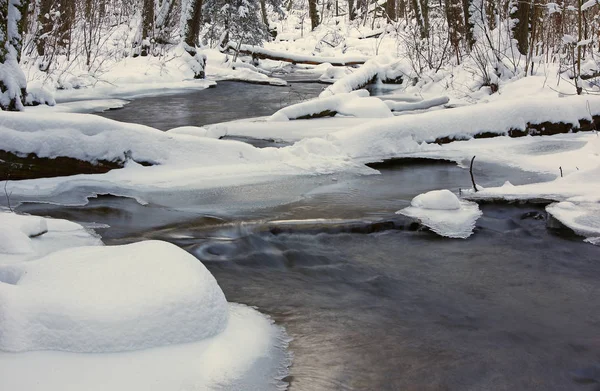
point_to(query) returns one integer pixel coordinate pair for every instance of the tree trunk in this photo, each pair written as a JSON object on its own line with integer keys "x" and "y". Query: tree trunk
{"x": 401, "y": 10}
{"x": 263, "y": 12}
{"x": 455, "y": 25}
{"x": 351, "y": 10}
{"x": 421, "y": 9}
{"x": 579, "y": 39}
{"x": 192, "y": 29}
{"x": 191, "y": 34}
{"x": 521, "y": 28}
{"x": 45, "y": 25}
{"x": 390, "y": 9}
{"x": 468, "y": 23}
{"x": 313, "y": 13}
{"x": 147, "y": 26}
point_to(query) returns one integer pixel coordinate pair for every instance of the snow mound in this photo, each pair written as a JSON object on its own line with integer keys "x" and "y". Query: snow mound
{"x": 357, "y": 104}
{"x": 16, "y": 230}
{"x": 109, "y": 299}
{"x": 25, "y": 237}
{"x": 333, "y": 74}
{"x": 248, "y": 355}
{"x": 14, "y": 242}
{"x": 443, "y": 213}
{"x": 436, "y": 199}
{"x": 583, "y": 218}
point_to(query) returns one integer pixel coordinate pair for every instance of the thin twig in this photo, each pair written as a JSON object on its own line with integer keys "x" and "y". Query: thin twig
{"x": 471, "y": 172}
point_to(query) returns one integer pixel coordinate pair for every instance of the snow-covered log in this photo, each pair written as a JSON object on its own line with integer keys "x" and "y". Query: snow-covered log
{"x": 357, "y": 104}
{"x": 375, "y": 69}
{"x": 422, "y": 105}
{"x": 262, "y": 53}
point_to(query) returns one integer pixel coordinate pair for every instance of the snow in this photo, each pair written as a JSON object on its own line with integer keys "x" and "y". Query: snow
{"x": 298, "y": 58}
{"x": 333, "y": 74}
{"x": 357, "y": 104}
{"x": 583, "y": 218}
{"x": 247, "y": 354}
{"x": 421, "y": 105}
{"x": 140, "y": 316}
{"x": 437, "y": 199}
{"x": 96, "y": 299}
{"x": 443, "y": 213}
{"x": 24, "y": 237}
{"x": 589, "y": 4}
{"x": 82, "y": 106}
{"x": 289, "y": 131}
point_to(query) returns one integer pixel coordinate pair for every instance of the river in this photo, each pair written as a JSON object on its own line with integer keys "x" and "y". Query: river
{"x": 371, "y": 301}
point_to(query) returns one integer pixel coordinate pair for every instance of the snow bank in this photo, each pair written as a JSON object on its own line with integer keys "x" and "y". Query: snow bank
{"x": 583, "y": 218}
{"x": 443, "y": 213}
{"x": 72, "y": 320}
{"x": 357, "y": 104}
{"x": 15, "y": 232}
{"x": 109, "y": 299}
{"x": 421, "y": 105}
{"x": 392, "y": 137}
{"x": 24, "y": 237}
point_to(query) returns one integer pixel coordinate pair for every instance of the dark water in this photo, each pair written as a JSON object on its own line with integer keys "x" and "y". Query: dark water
{"x": 228, "y": 101}
{"x": 514, "y": 307}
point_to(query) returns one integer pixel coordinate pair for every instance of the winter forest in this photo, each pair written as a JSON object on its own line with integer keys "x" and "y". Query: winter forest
{"x": 303, "y": 195}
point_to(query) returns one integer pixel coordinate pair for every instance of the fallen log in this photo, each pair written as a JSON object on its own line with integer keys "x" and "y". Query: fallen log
{"x": 266, "y": 54}
{"x": 541, "y": 129}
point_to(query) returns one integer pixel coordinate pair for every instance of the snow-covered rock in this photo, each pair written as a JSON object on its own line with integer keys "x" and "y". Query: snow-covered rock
{"x": 109, "y": 299}
{"x": 249, "y": 354}
{"x": 443, "y": 213}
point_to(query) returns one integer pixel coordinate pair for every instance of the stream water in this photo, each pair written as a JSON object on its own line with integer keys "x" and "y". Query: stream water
{"x": 372, "y": 302}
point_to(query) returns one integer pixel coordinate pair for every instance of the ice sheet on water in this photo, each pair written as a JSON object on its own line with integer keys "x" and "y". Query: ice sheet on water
{"x": 583, "y": 218}
{"x": 443, "y": 213}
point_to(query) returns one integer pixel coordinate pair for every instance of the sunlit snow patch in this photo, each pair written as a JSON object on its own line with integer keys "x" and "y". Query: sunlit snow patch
{"x": 583, "y": 218}
{"x": 443, "y": 213}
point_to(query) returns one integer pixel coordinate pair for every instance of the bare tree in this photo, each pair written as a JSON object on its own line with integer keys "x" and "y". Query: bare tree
{"x": 314, "y": 14}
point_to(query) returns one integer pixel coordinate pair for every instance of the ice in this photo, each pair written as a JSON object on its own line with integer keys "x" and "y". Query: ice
{"x": 443, "y": 213}
{"x": 83, "y": 106}
{"x": 110, "y": 299}
{"x": 583, "y": 218}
